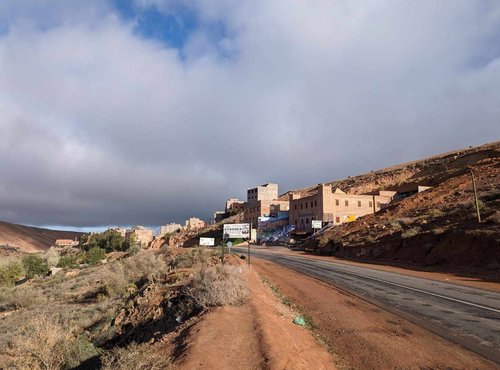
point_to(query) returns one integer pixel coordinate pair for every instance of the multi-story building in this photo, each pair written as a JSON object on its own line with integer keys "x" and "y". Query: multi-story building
{"x": 260, "y": 201}
{"x": 233, "y": 204}
{"x": 143, "y": 236}
{"x": 194, "y": 223}
{"x": 332, "y": 205}
{"x": 170, "y": 228}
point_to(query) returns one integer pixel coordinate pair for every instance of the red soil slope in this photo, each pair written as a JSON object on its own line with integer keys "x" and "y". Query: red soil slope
{"x": 30, "y": 239}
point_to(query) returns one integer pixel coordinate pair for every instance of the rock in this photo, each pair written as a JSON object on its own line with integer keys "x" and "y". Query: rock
{"x": 299, "y": 321}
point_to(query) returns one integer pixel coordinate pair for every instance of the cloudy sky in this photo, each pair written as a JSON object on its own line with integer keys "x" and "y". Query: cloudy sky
{"x": 150, "y": 111}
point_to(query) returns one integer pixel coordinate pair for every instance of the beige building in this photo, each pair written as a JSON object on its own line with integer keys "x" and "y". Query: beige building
{"x": 170, "y": 228}
{"x": 262, "y": 201}
{"x": 332, "y": 205}
{"x": 194, "y": 223}
{"x": 143, "y": 235}
{"x": 66, "y": 243}
{"x": 234, "y": 204}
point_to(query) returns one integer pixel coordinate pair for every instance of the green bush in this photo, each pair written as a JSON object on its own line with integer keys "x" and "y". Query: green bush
{"x": 10, "y": 272}
{"x": 95, "y": 255}
{"x": 68, "y": 261}
{"x": 34, "y": 265}
{"x": 110, "y": 241}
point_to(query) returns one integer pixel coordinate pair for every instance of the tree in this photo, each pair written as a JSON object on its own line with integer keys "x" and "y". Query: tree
{"x": 110, "y": 240}
{"x": 95, "y": 255}
{"x": 10, "y": 272}
{"x": 34, "y": 265}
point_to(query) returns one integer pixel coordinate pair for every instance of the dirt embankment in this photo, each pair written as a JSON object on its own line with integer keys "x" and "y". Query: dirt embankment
{"x": 437, "y": 227}
{"x": 31, "y": 239}
{"x": 363, "y": 336}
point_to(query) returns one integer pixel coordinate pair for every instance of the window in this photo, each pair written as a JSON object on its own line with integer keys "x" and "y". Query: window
{"x": 315, "y": 203}
{"x": 312, "y": 204}
{"x": 346, "y": 203}
{"x": 337, "y": 202}
{"x": 295, "y": 207}
{"x": 337, "y": 219}
{"x": 370, "y": 203}
{"x": 378, "y": 204}
{"x": 359, "y": 203}
{"x": 306, "y": 205}
{"x": 301, "y": 206}
{"x": 307, "y": 221}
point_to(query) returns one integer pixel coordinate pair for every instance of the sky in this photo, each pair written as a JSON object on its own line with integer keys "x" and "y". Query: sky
{"x": 117, "y": 112}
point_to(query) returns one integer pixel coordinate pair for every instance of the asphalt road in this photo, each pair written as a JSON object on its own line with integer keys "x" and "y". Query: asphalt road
{"x": 467, "y": 316}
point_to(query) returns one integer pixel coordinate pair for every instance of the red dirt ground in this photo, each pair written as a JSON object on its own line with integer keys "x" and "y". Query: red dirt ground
{"x": 363, "y": 336}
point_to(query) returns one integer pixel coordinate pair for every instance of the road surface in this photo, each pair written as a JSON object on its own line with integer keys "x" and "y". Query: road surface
{"x": 465, "y": 315}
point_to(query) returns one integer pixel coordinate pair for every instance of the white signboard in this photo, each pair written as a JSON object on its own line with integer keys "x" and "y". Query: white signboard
{"x": 236, "y": 231}
{"x": 207, "y": 241}
{"x": 317, "y": 224}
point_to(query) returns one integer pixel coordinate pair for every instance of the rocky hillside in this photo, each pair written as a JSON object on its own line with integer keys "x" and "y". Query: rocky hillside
{"x": 435, "y": 227}
{"x": 29, "y": 239}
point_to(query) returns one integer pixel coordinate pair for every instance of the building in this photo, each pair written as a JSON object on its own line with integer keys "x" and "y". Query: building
{"x": 143, "y": 235}
{"x": 234, "y": 204}
{"x": 66, "y": 243}
{"x": 261, "y": 200}
{"x": 170, "y": 228}
{"x": 194, "y": 223}
{"x": 332, "y": 205}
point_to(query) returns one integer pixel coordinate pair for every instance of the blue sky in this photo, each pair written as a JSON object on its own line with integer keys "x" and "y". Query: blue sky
{"x": 152, "y": 111}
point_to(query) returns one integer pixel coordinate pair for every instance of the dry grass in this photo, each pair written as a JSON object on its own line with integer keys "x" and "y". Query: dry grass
{"x": 217, "y": 286}
{"x": 411, "y": 232}
{"x": 137, "y": 357}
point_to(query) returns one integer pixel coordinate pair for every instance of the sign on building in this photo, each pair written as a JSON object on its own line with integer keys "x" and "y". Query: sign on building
{"x": 232, "y": 231}
{"x": 316, "y": 224}
{"x": 209, "y": 242}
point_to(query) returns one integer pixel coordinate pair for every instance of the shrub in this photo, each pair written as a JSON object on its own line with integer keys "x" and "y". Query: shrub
{"x": 21, "y": 297}
{"x": 52, "y": 257}
{"x": 78, "y": 351}
{"x": 68, "y": 261}
{"x": 42, "y": 343}
{"x": 95, "y": 255}
{"x": 411, "y": 232}
{"x": 137, "y": 357}
{"x": 435, "y": 213}
{"x": 110, "y": 240}
{"x": 217, "y": 286}
{"x": 11, "y": 270}
{"x": 34, "y": 265}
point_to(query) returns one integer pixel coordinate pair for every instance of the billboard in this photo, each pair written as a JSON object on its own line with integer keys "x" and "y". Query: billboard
{"x": 232, "y": 231}
{"x": 316, "y": 224}
{"x": 209, "y": 242}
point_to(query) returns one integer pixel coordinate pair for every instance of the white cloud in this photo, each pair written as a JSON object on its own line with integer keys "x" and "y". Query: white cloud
{"x": 101, "y": 126}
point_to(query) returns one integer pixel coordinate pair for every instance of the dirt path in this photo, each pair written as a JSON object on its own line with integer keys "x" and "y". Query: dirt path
{"x": 257, "y": 335}
{"x": 362, "y": 335}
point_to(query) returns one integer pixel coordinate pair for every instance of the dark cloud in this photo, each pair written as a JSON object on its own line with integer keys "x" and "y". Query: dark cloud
{"x": 101, "y": 126}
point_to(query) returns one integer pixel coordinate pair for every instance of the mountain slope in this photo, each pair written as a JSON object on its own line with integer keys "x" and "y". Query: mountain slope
{"x": 31, "y": 239}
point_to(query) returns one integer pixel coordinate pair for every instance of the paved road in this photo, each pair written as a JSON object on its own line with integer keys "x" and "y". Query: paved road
{"x": 468, "y": 316}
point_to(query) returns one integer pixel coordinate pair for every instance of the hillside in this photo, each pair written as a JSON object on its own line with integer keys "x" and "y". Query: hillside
{"x": 436, "y": 227}
{"x": 30, "y": 239}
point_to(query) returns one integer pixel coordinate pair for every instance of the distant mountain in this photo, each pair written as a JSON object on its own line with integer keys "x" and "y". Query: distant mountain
{"x": 31, "y": 239}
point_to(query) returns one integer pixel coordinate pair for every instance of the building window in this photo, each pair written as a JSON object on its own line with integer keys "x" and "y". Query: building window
{"x": 301, "y": 206}
{"x": 370, "y": 203}
{"x": 346, "y": 203}
{"x": 306, "y": 205}
{"x": 307, "y": 221}
{"x": 378, "y": 204}
{"x": 295, "y": 207}
{"x": 337, "y": 202}
{"x": 359, "y": 203}
{"x": 337, "y": 219}
{"x": 315, "y": 203}
{"x": 312, "y": 204}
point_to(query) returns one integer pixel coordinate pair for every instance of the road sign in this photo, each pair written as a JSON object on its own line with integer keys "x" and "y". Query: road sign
{"x": 316, "y": 224}
{"x": 229, "y": 244}
{"x": 232, "y": 231}
{"x": 210, "y": 242}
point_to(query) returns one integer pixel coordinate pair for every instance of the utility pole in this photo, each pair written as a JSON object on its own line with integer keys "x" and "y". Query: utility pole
{"x": 249, "y": 240}
{"x": 475, "y": 194}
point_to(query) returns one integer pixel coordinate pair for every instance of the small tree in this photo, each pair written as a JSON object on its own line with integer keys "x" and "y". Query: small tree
{"x": 132, "y": 242}
{"x": 95, "y": 255}
{"x": 10, "y": 272}
{"x": 34, "y": 265}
